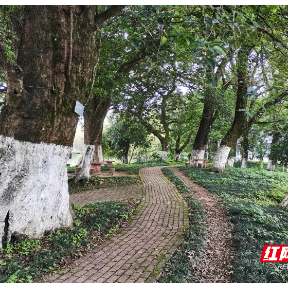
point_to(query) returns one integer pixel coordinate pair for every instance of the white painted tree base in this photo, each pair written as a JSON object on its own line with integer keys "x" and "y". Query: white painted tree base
{"x": 196, "y": 154}
{"x": 230, "y": 162}
{"x": 270, "y": 166}
{"x": 100, "y": 154}
{"x": 164, "y": 156}
{"x": 177, "y": 157}
{"x": 244, "y": 163}
{"x": 86, "y": 164}
{"x": 33, "y": 187}
{"x": 284, "y": 202}
{"x": 220, "y": 158}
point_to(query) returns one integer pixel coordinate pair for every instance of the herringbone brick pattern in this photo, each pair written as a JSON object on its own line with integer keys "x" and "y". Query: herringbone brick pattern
{"x": 139, "y": 253}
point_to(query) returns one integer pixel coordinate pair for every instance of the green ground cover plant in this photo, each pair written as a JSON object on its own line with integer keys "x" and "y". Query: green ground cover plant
{"x": 252, "y": 199}
{"x": 179, "y": 268}
{"x": 22, "y": 262}
{"x": 96, "y": 182}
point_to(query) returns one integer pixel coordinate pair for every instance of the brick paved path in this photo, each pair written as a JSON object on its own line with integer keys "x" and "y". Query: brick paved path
{"x": 140, "y": 252}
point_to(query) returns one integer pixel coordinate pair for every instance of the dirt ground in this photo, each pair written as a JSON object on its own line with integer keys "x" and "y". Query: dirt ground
{"x": 218, "y": 253}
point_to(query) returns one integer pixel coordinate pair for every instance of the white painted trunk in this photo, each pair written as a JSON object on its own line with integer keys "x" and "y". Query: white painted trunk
{"x": 86, "y": 164}
{"x": 196, "y": 154}
{"x": 271, "y": 166}
{"x": 177, "y": 157}
{"x": 244, "y": 163}
{"x": 230, "y": 162}
{"x": 284, "y": 203}
{"x": 100, "y": 154}
{"x": 79, "y": 163}
{"x": 287, "y": 169}
{"x": 220, "y": 158}
{"x": 164, "y": 156}
{"x": 261, "y": 164}
{"x": 34, "y": 188}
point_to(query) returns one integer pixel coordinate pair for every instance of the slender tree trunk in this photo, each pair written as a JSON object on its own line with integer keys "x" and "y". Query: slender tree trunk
{"x": 271, "y": 166}
{"x": 164, "y": 145}
{"x": 179, "y": 149}
{"x": 245, "y": 148}
{"x": 232, "y": 155}
{"x": 94, "y": 115}
{"x": 125, "y": 156}
{"x": 177, "y": 156}
{"x": 54, "y": 57}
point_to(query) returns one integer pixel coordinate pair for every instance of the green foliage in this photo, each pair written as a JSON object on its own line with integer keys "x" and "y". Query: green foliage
{"x": 124, "y": 133}
{"x": 181, "y": 186}
{"x": 6, "y": 35}
{"x": 96, "y": 182}
{"x": 22, "y": 262}
{"x": 252, "y": 200}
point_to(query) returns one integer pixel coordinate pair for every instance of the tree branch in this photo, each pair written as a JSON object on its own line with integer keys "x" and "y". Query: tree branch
{"x": 266, "y": 106}
{"x": 186, "y": 142}
{"x": 274, "y": 38}
{"x": 110, "y": 12}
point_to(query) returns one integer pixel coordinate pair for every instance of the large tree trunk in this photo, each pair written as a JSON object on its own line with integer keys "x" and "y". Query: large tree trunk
{"x": 98, "y": 152}
{"x": 240, "y": 122}
{"x": 209, "y": 116}
{"x": 54, "y": 56}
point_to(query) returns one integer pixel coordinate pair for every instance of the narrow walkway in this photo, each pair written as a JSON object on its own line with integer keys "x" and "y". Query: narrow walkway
{"x": 140, "y": 252}
{"x": 217, "y": 254}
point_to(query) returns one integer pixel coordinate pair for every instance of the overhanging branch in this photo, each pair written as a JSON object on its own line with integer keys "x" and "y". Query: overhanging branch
{"x": 110, "y": 12}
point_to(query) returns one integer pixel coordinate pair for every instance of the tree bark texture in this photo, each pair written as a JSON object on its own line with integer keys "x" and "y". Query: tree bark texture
{"x": 54, "y": 52}
{"x": 208, "y": 117}
{"x": 240, "y": 122}
{"x": 98, "y": 152}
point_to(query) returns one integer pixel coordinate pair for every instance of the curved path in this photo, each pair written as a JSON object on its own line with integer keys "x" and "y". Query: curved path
{"x": 140, "y": 252}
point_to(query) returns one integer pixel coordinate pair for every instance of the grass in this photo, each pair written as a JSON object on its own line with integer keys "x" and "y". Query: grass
{"x": 179, "y": 268}
{"x": 252, "y": 198}
{"x": 22, "y": 262}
